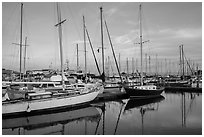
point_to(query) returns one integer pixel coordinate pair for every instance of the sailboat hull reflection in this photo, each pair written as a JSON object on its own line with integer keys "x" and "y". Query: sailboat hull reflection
{"x": 134, "y": 103}
{"x": 45, "y": 120}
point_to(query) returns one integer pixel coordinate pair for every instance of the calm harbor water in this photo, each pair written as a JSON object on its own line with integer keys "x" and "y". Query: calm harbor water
{"x": 171, "y": 113}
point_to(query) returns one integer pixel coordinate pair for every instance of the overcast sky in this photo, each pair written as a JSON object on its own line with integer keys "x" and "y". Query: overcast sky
{"x": 166, "y": 25}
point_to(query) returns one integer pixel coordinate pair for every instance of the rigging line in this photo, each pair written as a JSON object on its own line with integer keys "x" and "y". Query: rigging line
{"x": 191, "y": 104}
{"x": 112, "y": 68}
{"x": 117, "y": 123}
{"x": 188, "y": 64}
{"x": 98, "y": 41}
{"x": 93, "y": 52}
{"x": 98, "y": 123}
{"x": 113, "y": 51}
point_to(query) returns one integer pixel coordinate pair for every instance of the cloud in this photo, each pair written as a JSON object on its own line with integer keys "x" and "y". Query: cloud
{"x": 128, "y": 38}
{"x": 183, "y": 33}
{"x": 189, "y": 33}
{"x": 110, "y": 12}
{"x": 79, "y": 42}
{"x": 132, "y": 23}
{"x": 164, "y": 42}
{"x": 124, "y": 39}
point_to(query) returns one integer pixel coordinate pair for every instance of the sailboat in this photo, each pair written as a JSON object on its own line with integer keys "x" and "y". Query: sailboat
{"x": 108, "y": 84}
{"x": 142, "y": 91}
{"x": 48, "y": 100}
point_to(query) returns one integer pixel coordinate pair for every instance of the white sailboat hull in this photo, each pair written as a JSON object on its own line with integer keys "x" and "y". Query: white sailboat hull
{"x": 48, "y": 103}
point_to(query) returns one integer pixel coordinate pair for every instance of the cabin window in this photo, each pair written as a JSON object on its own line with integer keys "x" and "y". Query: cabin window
{"x": 44, "y": 85}
{"x": 66, "y": 83}
{"x": 50, "y": 85}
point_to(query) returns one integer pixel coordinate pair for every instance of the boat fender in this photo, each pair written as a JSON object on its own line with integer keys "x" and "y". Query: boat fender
{"x": 26, "y": 95}
{"x": 28, "y": 108}
{"x": 6, "y": 97}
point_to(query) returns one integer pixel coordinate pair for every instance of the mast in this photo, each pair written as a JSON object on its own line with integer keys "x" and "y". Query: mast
{"x": 103, "y": 74}
{"x": 119, "y": 64}
{"x": 136, "y": 62}
{"x": 133, "y": 65}
{"x": 67, "y": 63}
{"x": 116, "y": 127}
{"x": 149, "y": 66}
{"x": 85, "y": 49}
{"x": 140, "y": 8}
{"x": 182, "y": 60}
{"x": 77, "y": 56}
{"x": 60, "y": 42}
{"x": 183, "y": 110}
{"x": 21, "y": 31}
{"x": 156, "y": 66}
{"x": 146, "y": 63}
{"x": 127, "y": 67}
{"x": 166, "y": 73}
{"x": 161, "y": 67}
{"x": 169, "y": 66}
{"x": 25, "y": 55}
{"x": 197, "y": 76}
{"x": 108, "y": 67}
{"x": 93, "y": 52}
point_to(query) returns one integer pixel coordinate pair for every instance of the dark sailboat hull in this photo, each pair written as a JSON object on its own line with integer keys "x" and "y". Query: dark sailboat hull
{"x": 135, "y": 103}
{"x": 143, "y": 93}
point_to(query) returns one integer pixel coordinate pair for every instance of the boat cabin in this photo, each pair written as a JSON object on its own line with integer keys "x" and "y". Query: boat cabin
{"x": 146, "y": 87}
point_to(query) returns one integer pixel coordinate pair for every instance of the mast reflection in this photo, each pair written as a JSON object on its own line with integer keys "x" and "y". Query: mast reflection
{"x": 29, "y": 123}
{"x": 143, "y": 105}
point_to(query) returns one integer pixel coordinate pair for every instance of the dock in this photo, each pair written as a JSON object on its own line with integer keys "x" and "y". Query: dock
{"x": 183, "y": 89}
{"x": 109, "y": 95}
